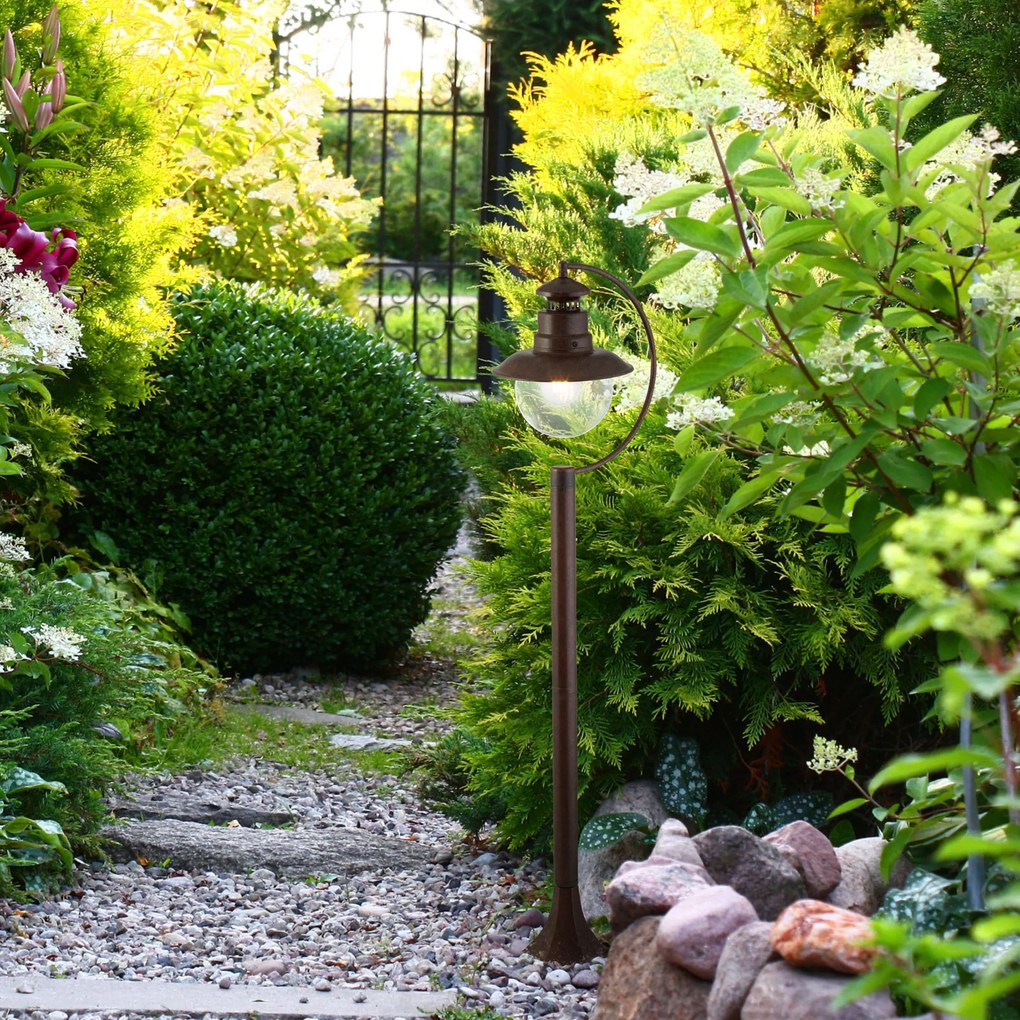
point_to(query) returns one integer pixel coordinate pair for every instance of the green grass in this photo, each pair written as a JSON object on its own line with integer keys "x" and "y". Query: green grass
{"x": 232, "y": 732}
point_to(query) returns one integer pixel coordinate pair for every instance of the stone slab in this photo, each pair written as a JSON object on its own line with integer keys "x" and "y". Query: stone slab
{"x": 183, "y": 806}
{"x": 176, "y": 997}
{"x": 307, "y": 716}
{"x": 364, "y": 742}
{"x": 292, "y": 852}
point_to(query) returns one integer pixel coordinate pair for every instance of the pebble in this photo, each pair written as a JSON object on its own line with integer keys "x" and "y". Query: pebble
{"x": 457, "y": 922}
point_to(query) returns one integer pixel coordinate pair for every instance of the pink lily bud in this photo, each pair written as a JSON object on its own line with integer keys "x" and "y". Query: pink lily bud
{"x": 51, "y": 34}
{"x": 13, "y": 101}
{"x": 9, "y": 57}
{"x": 23, "y": 84}
{"x": 43, "y": 115}
{"x": 58, "y": 88}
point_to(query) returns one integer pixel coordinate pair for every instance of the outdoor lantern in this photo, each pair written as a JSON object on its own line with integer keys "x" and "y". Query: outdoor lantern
{"x": 564, "y": 386}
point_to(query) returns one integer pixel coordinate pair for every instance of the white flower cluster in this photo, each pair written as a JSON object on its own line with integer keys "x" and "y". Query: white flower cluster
{"x": 837, "y": 358}
{"x": 693, "y": 410}
{"x": 63, "y": 642}
{"x": 325, "y": 277}
{"x": 829, "y": 756}
{"x": 1000, "y": 288}
{"x": 968, "y": 153}
{"x": 48, "y": 334}
{"x": 697, "y": 77}
{"x": 820, "y": 449}
{"x": 224, "y": 234}
{"x": 819, "y": 189}
{"x": 697, "y": 285}
{"x": 800, "y": 413}
{"x": 12, "y": 548}
{"x": 19, "y": 449}
{"x": 902, "y": 64}
{"x": 639, "y": 184}
{"x": 8, "y": 656}
{"x": 631, "y": 388}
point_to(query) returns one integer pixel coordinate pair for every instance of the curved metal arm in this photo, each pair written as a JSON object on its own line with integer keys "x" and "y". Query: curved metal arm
{"x": 632, "y": 297}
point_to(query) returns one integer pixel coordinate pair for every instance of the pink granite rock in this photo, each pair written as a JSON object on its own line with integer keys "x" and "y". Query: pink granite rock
{"x": 814, "y": 856}
{"x": 655, "y": 861}
{"x": 638, "y": 984}
{"x": 674, "y": 841}
{"x": 747, "y": 950}
{"x": 693, "y": 933}
{"x": 653, "y": 889}
{"x": 810, "y": 933}
{"x": 861, "y": 886}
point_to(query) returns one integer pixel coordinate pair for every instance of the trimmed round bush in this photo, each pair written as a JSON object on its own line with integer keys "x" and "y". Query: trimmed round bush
{"x": 288, "y": 483}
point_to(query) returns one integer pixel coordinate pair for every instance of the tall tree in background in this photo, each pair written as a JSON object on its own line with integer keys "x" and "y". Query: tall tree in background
{"x": 979, "y": 41}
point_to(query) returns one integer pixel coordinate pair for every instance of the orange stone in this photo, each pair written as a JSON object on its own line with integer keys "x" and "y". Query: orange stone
{"x": 810, "y": 933}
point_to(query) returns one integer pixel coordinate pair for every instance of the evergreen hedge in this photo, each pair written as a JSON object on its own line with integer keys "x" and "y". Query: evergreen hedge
{"x": 288, "y": 485}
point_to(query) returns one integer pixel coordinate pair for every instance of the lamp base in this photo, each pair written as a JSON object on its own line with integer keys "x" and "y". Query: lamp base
{"x": 567, "y": 936}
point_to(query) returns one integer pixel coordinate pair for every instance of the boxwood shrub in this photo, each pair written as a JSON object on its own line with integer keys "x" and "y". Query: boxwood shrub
{"x": 288, "y": 487}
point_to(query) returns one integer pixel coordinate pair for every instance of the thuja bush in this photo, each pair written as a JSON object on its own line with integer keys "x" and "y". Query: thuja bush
{"x": 743, "y": 634}
{"x": 289, "y": 484}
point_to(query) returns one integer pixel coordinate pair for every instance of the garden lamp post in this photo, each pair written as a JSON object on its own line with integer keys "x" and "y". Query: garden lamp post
{"x": 564, "y": 387}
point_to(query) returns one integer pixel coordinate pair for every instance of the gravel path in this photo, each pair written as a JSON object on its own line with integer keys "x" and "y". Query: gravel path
{"x": 460, "y": 922}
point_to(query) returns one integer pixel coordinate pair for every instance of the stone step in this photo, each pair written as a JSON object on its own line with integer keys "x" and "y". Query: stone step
{"x": 73, "y": 995}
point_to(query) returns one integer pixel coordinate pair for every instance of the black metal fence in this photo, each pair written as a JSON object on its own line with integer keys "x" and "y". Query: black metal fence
{"x": 412, "y": 123}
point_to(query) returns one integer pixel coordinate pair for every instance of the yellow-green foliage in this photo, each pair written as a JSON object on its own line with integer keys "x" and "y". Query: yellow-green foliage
{"x": 242, "y": 149}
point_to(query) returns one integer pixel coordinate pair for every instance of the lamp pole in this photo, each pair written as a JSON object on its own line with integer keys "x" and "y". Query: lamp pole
{"x": 563, "y": 353}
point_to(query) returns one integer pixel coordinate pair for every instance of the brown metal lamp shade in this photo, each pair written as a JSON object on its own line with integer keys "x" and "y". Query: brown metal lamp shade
{"x": 562, "y": 349}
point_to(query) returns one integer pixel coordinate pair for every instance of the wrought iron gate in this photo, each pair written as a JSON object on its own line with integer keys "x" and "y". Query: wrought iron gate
{"x": 412, "y": 123}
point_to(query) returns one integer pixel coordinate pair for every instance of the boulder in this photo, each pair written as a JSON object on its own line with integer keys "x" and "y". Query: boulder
{"x": 596, "y": 867}
{"x": 675, "y": 842}
{"x": 638, "y": 984}
{"x": 733, "y": 856}
{"x": 182, "y": 805}
{"x": 813, "y": 856}
{"x": 295, "y": 853}
{"x": 638, "y": 892}
{"x": 861, "y": 886}
{"x": 784, "y": 991}
{"x": 810, "y": 933}
{"x": 747, "y": 950}
{"x": 693, "y": 933}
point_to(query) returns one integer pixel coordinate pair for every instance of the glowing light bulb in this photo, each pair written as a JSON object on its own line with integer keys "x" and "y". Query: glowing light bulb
{"x": 564, "y": 409}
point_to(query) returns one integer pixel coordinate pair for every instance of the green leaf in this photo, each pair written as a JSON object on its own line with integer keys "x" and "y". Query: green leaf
{"x": 877, "y": 142}
{"x": 910, "y": 765}
{"x": 847, "y": 806}
{"x": 703, "y": 236}
{"x": 747, "y": 494}
{"x": 750, "y": 287}
{"x": 766, "y": 176}
{"x": 677, "y": 197}
{"x": 684, "y": 438}
{"x": 670, "y": 264}
{"x": 786, "y": 197}
{"x": 800, "y": 308}
{"x": 936, "y": 140}
{"x": 683, "y": 787}
{"x": 905, "y": 471}
{"x": 605, "y": 830}
{"x": 944, "y": 452}
{"x": 715, "y": 366}
{"x": 692, "y": 136}
{"x": 741, "y": 149}
{"x": 694, "y": 471}
{"x": 930, "y": 393}
{"x": 994, "y": 476}
{"x": 963, "y": 355}
{"x": 796, "y": 232}
{"x": 862, "y": 518}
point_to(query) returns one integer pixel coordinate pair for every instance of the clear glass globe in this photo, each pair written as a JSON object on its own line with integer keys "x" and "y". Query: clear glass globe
{"x": 564, "y": 409}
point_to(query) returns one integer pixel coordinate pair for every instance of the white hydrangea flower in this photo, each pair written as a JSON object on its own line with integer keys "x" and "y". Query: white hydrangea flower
{"x": 280, "y": 193}
{"x": 902, "y": 64}
{"x": 51, "y": 334}
{"x": 12, "y": 548}
{"x": 829, "y": 756}
{"x": 694, "y": 410}
{"x": 632, "y": 388}
{"x": 697, "y": 285}
{"x": 325, "y": 277}
{"x": 8, "y": 656}
{"x": 819, "y": 189}
{"x": 837, "y": 358}
{"x": 968, "y": 152}
{"x": 820, "y": 449}
{"x": 19, "y": 449}
{"x": 223, "y": 234}
{"x": 639, "y": 184}
{"x": 1000, "y": 288}
{"x": 63, "y": 642}
{"x": 697, "y": 77}
{"x": 800, "y": 413}
{"x": 763, "y": 113}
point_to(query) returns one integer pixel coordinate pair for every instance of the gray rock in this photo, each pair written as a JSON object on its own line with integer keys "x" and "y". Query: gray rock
{"x": 693, "y": 933}
{"x": 733, "y": 856}
{"x": 814, "y": 856}
{"x": 181, "y": 805}
{"x": 364, "y": 742}
{"x": 674, "y": 841}
{"x": 638, "y": 892}
{"x": 294, "y": 852}
{"x": 784, "y": 991}
{"x": 596, "y": 867}
{"x": 638, "y": 984}
{"x": 861, "y": 886}
{"x": 747, "y": 950}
